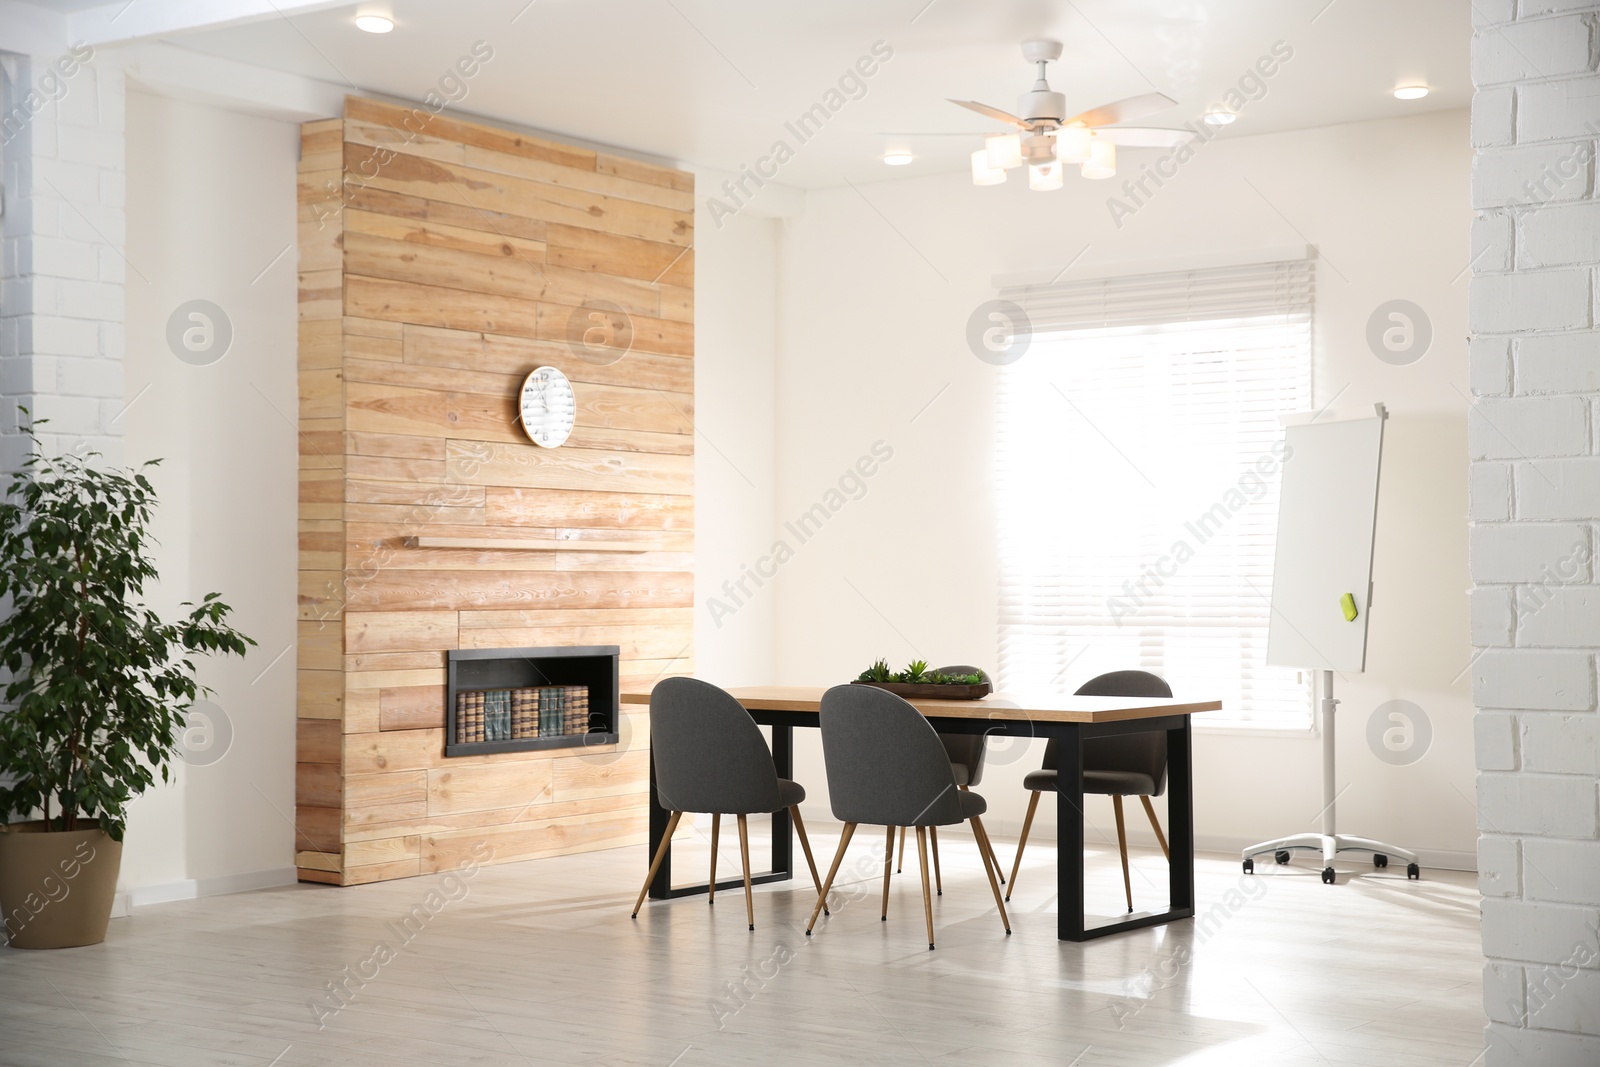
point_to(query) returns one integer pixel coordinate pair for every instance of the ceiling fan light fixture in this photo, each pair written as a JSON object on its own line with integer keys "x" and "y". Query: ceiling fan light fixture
{"x": 1072, "y": 144}
{"x": 374, "y": 22}
{"x": 1218, "y": 118}
{"x": 1004, "y": 150}
{"x": 982, "y": 173}
{"x": 1039, "y": 148}
{"x": 1042, "y": 177}
{"x": 1055, "y": 138}
{"x": 1411, "y": 92}
{"x": 1102, "y": 161}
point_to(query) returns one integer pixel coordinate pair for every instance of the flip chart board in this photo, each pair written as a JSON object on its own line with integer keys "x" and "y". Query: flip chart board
{"x": 1326, "y": 519}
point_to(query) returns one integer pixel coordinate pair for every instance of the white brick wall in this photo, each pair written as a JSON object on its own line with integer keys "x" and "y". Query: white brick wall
{"x": 1565, "y": 871}
{"x": 1527, "y": 426}
{"x": 61, "y": 249}
{"x": 1534, "y": 369}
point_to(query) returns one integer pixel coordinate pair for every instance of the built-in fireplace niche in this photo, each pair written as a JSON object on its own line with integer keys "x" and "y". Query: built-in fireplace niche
{"x": 525, "y": 699}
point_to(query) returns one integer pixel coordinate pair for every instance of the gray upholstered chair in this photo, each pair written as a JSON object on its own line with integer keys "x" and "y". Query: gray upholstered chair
{"x": 710, "y": 758}
{"x": 887, "y": 768}
{"x": 1124, "y": 765}
{"x": 966, "y": 761}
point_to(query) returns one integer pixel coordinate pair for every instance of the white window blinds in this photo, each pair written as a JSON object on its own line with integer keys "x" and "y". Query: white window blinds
{"x": 1137, "y": 458}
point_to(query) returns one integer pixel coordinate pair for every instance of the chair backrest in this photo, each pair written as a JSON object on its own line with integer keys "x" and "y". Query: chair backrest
{"x": 966, "y": 749}
{"x": 709, "y": 753}
{"x": 1141, "y": 753}
{"x": 886, "y": 766}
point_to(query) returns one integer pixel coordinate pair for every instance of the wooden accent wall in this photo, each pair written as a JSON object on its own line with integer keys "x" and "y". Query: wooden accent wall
{"x": 440, "y": 261}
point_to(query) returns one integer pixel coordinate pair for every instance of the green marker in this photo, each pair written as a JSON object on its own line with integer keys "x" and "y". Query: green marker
{"x": 1348, "y": 603}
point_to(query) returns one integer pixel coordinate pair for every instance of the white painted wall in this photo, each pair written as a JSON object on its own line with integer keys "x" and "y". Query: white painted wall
{"x": 876, "y": 287}
{"x": 211, "y": 215}
{"x": 736, "y": 299}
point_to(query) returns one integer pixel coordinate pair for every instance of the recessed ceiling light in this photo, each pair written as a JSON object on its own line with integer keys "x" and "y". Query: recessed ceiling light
{"x": 1411, "y": 92}
{"x": 1218, "y": 118}
{"x": 374, "y": 23}
{"x": 898, "y": 159}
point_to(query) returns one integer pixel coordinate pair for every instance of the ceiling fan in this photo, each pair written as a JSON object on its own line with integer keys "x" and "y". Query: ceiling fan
{"x": 1047, "y": 138}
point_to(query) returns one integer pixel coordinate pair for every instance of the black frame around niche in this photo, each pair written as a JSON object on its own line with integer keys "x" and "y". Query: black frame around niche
{"x": 595, "y": 666}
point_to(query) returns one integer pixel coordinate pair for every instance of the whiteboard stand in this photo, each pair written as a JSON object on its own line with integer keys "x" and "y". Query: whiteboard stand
{"x": 1327, "y": 516}
{"x": 1329, "y": 842}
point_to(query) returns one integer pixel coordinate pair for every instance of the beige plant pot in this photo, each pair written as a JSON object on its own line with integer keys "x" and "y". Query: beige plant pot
{"x": 56, "y": 887}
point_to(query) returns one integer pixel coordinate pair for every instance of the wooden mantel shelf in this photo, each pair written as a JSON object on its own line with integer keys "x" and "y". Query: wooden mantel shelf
{"x": 531, "y": 544}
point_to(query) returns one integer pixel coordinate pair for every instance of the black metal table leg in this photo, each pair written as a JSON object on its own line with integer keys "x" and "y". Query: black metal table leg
{"x": 782, "y": 824}
{"x": 661, "y": 885}
{"x": 1069, "y": 834}
{"x": 1070, "y": 920}
{"x": 1180, "y": 817}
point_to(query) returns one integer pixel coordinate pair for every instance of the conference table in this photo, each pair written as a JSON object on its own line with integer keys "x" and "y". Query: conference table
{"x": 1070, "y": 720}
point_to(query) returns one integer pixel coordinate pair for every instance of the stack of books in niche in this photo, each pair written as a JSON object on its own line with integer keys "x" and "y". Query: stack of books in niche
{"x": 469, "y": 717}
{"x": 523, "y": 713}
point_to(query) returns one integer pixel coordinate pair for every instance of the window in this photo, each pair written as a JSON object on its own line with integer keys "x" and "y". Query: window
{"x": 1138, "y": 460}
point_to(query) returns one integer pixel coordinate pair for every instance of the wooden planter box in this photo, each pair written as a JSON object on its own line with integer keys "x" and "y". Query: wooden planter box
{"x": 933, "y": 692}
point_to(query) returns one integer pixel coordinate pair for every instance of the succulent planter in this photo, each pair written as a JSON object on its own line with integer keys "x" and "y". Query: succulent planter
{"x": 933, "y": 692}
{"x": 946, "y": 683}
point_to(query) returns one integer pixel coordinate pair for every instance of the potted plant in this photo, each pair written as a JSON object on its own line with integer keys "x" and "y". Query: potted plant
{"x": 95, "y": 693}
{"x": 918, "y": 681}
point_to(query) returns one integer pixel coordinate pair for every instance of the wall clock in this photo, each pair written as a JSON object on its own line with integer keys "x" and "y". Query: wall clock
{"x": 548, "y": 407}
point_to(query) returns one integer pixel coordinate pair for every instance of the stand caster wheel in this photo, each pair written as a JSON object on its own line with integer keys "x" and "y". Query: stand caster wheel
{"x": 1327, "y": 876}
{"x": 1282, "y": 856}
{"x": 1413, "y": 872}
{"x": 1380, "y": 860}
{"x": 1250, "y": 866}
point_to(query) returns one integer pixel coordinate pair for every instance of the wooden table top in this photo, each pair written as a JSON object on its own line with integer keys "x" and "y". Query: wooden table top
{"x": 1020, "y": 707}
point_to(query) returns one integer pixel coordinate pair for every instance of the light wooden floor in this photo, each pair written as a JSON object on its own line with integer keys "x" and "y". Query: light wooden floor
{"x": 538, "y": 963}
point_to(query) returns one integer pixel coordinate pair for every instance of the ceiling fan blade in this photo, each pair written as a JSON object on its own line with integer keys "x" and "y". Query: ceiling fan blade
{"x": 1134, "y": 107}
{"x": 1143, "y": 136}
{"x": 992, "y": 112}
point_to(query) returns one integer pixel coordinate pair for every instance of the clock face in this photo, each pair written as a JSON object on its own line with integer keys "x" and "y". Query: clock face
{"x": 548, "y": 407}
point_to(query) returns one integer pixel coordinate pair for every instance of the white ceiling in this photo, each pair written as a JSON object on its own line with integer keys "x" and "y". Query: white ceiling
{"x": 65, "y": 5}
{"x": 712, "y": 82}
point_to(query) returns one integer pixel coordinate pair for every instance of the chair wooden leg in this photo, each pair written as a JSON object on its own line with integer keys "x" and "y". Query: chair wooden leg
{"x": 900, "y": 863}
{"x": 983, "y": 857}
{"x": 927, "y": 901}
{"x": 805, "y": 846}
{"x": 1155, "y": 825}
{"x": 1122, "y": 847}
{"x": 838, "y": 858}
{"x": 711, "y": 890}
{"x": 983, "y": 841}
{"x": 888, "y": 862}
{"x": 655, "y": 864}
{"x": 744, "y": 854}
{"x": 994, "y": 861}
{"x": 1027, "y": 824}
{"x": 983, "y": 853}
{"x": 933, "y": 844}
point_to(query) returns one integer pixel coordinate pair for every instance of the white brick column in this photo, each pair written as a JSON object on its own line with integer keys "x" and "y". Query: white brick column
{"x": 62, "y": 270}
{"x": 1534, "y": 438}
